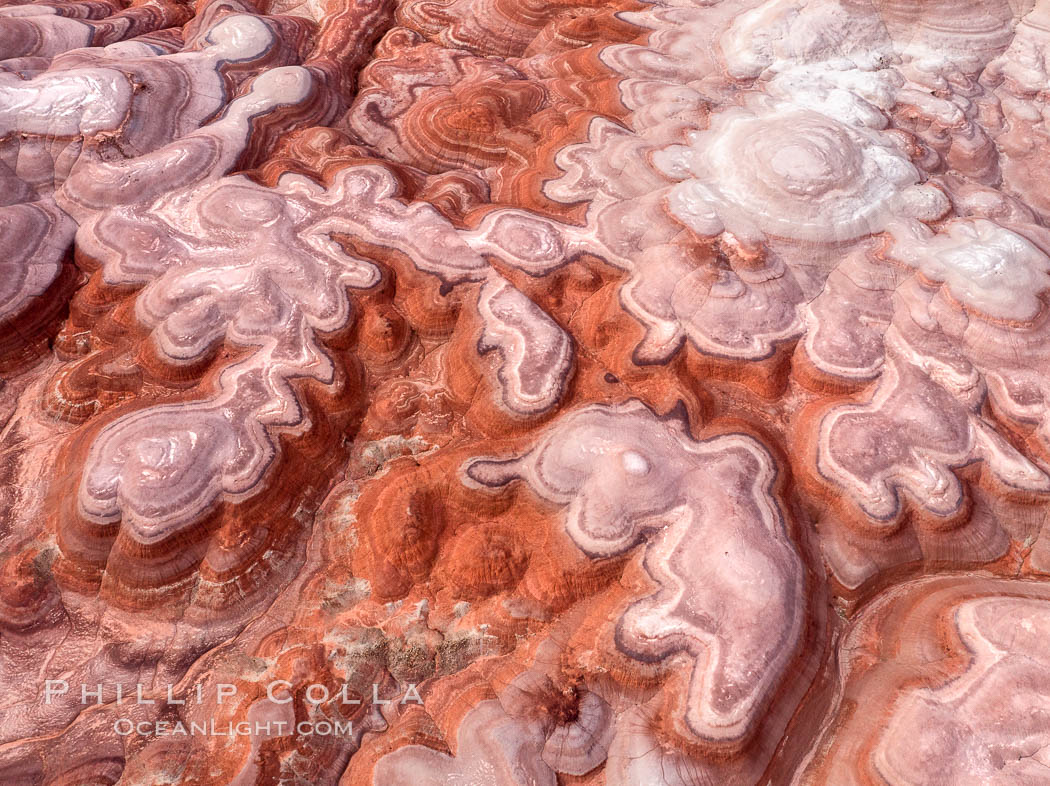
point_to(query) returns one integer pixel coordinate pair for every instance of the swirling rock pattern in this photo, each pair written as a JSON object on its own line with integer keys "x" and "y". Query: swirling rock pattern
{"x": 546, "y": 393}
{"x": 958, "y": 674}
{"x": 622, "y": 473}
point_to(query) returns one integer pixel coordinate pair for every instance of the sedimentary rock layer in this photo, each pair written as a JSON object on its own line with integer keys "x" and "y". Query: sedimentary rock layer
{"x": 524, "y": 393}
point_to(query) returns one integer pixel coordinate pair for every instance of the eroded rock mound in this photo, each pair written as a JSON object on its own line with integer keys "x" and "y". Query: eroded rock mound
{"x": 402, "y": 391}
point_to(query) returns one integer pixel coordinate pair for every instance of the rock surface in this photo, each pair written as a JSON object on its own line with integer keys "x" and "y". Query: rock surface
{"x": 545, "y": 393}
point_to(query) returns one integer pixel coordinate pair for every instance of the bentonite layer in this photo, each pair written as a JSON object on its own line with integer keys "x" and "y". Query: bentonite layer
{"x": 533, "y": 392}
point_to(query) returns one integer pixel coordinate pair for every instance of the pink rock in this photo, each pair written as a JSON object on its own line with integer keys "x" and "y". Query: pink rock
{"x": 544, "y": 392}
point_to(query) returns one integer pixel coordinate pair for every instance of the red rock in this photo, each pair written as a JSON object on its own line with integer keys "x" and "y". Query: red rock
{"x": 524, "y": 393}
